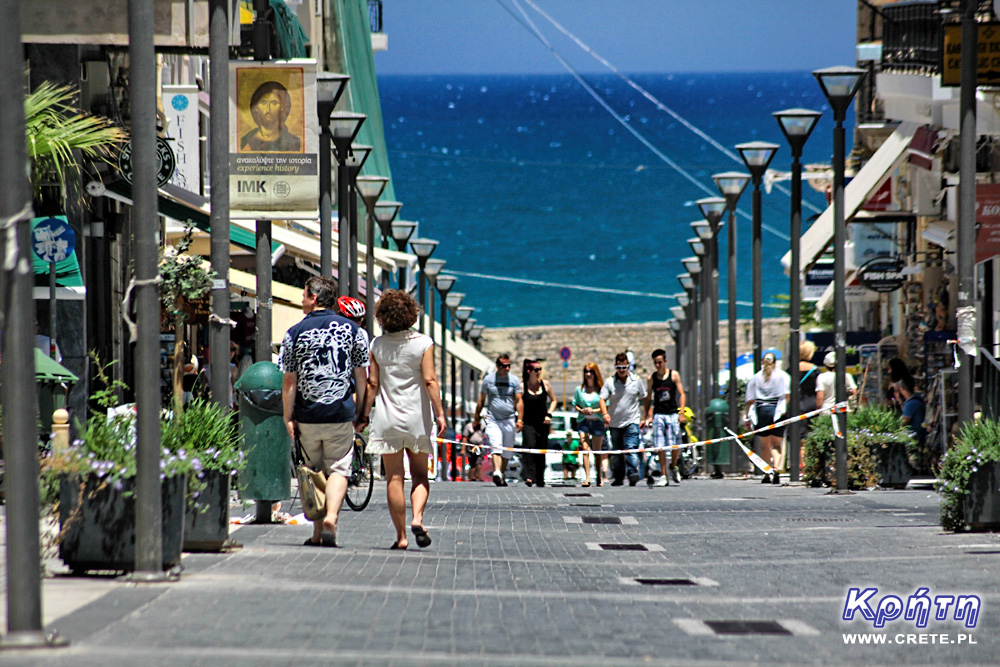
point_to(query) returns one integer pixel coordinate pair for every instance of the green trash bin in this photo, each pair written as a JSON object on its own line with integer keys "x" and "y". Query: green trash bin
{"x": 54, "y": 382}
{"x": 716, "y": 421}
{"x": 267, "y": 476}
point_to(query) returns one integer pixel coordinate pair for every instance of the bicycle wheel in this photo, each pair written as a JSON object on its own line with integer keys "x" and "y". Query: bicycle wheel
{"x": 361, "y": 482}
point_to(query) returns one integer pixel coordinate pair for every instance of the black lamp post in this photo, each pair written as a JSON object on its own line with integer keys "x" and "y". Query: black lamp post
{"x": 757, "y": 155}
{"x": 680, "y": 337}
{"x": 432, "y": 270}
{"x": 675, "y": 332}
{"x": 840, "y": 85}
{"x": 344, "y": 126}
{"x": 462, "y": 314}
{"x": 423, "y": 249}
{"x": 370, "y": 188}
{"x": 329, "y": 88}
{"x": 452, "y": 302}
{"x": 385, "y": 213}
{"x": 703, "y": 392}
{"x": 355, "y": 160}
{"x": 691, "y": 379}
{"x": 402, "y": 230}
{"x": 797, "y": 125}
{"x": 712, "y": 209}
{"x": 444, "y": 283}
{"x": 731, "y": 184}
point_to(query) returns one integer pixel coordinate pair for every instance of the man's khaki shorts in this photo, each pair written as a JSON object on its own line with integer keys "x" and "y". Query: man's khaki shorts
{"x": 329, "y": 445}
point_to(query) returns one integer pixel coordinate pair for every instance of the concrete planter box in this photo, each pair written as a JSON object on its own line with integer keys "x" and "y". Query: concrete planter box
{"x": 892, "y": 466}
{"x": 206, "y": 525}
{"x": 982, "y": 503}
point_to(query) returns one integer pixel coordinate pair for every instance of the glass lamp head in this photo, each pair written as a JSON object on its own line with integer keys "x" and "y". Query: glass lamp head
{"x": 757, "y": 155}
{"x": 712, "y": 208}
{"x": 370, "y": 188}
{"x": 329, "y": 87}
{"x": 686, "y": 281}
{"x": 703, "y": 229}
{"x": 402, "y": 230}
{"x": 462, "y": 313}
{"x": 454, "y": 300}
{"x": 678, "y": 313}
{"x": 386, "y": 211}
{"x": 682, "y": 299}
{"x": 698, "y": 246}
{"x": 797, "y": 125}
{"x": 692, "y": 264}
{"x": 731, "y": 184}
{"x": 356, "y": 158}
{"x": 423, "y": 248}
{"x": 444, "y": 283}
{"x": 840, "y": 85}
{"x": 345, "y": 126}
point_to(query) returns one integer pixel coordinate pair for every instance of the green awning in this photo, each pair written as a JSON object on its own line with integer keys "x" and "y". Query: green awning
{"x": 173, "y": 202}
{"x": 48, "y": 369}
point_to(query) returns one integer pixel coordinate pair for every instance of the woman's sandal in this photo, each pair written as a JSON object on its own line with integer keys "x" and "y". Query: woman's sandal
{"x": 395, "y": 545}
{"x": 585, "y": 484}
{"x": 423, "y": 539}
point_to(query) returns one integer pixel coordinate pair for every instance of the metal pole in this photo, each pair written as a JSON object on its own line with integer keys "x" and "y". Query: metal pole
{"x": 444, "y": 352}
{"x": 755, "y": 262}
{"x": 691, "y": 379}
{"x": 422, "y": 297}
{"x": 325, "y": 202}
{"x": 707, "y": 345}
{"x": 794, "y": 436}
{"x": 17, "y": 373}
{"x": 967, "y": 198}
{"x": 370, "y": 275}
{"x": 352, "y": 198}
{"x": 53, "y": 322}
{"x": 219, "y": 170}
{"x": 734, "y": 410}
{"x": 454, "y": 383}
{"x": 430, "y": 315}
{"x": 839, "y": 299}
{"x": 262, "y": 346}
{"x": 343, "y": 225}
{"x": 142, "y": 98}
{"x": 714, "y": 337}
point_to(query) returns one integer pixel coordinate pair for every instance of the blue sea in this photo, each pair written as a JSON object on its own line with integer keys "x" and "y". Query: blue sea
{"x": 529, "y": 177}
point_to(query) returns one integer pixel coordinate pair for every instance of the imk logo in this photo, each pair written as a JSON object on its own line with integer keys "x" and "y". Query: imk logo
{"x": 251, "y": 187}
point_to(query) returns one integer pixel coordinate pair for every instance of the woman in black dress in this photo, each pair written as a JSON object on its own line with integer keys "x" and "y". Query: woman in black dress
{"x": 539, "y": 402}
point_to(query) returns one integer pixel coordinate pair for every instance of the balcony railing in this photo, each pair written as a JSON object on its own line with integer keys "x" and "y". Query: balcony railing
{"x": 375, "y": 15}
{"x": 990, "y": 398}
{"x": 911, "y": 37}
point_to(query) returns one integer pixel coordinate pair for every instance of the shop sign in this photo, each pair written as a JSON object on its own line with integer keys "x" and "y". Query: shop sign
{"x": 165, "y": 162}
{"x": 987, "y": 221}
{"x": 181, "y": 106}
{"x": 883, "y": 274}
{"x": 988, "y": 66}
{"x": 872, "y": 239}
{"x": 817, "y": 278}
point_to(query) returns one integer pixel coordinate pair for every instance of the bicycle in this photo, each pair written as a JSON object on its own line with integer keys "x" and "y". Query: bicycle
{"x": 362, "y": 479}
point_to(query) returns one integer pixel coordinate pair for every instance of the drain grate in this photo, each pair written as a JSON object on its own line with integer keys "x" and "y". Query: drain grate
{"x": 805, "y": 518}
{"x": 624, "y": 547}
{"x": 747, "y": 628}
{"x": 585, "y": 504}
{"x": 665, "y": 582}
{"x": 578, "y": 495}
{"x": 609, "y": 520}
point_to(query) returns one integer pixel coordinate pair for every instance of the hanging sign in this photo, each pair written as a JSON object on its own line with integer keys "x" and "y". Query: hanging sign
{"x": 987, "y": 221}
{"x": 273, "y": 140}
{"x": 883, "y": 274}
{"x": 165, "y": 162}
{"x": 181, "y": 106}
{"x": 52, "y": 239}
{"x": 988, "y": 45}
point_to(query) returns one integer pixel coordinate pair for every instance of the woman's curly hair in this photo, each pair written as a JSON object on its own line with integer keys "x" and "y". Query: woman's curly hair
{"x": 396, "y": 311}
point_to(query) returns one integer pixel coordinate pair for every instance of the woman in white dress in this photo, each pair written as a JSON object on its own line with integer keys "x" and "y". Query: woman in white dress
{"x": 403, "y": 388}
{"x": 767, "y": 402}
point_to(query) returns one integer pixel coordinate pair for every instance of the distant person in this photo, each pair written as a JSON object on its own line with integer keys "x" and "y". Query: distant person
{"x": 664, "y": 409}
{"x": 324, "y": 358}
{"x": 500, "y": 393}
{"x": 623, "y": 394}
{"x": 570, "y": 462}
{"x": 914, "y": 410}
{"x": 588, "y": 403}
{"x": 351, "y": 308}
{"x": 270, "y": 106}
{"x": 897, "y": 371}
{"x": 767, "y": 402}
{"x": 472, "y": 441}
{"x": 808, "y": 374}
{"x": 826, "y": 383}
{"x": 539, "y": 403}
{"x": 404, "y": 389}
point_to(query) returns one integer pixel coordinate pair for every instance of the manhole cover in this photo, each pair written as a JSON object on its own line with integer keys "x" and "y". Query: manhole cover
{"x": 624, "y": 547}
{"x": 602, "y": 519}
{"x": 747, "y": 628}
{"x": 577, "y": 495}
{"x": 666, "y": 582}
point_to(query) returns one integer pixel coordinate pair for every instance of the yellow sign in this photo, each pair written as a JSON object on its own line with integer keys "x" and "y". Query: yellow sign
{"x": 989, "y": 55}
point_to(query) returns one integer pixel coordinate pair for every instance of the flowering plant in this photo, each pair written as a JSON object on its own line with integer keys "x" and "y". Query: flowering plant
{"x": 976, "y": 445}
{"x": 869, "y": 429}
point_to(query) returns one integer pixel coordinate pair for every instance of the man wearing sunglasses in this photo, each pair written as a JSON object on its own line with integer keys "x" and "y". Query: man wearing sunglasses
{"x": 501, "y": 394}
{"x": 623, "y": 393}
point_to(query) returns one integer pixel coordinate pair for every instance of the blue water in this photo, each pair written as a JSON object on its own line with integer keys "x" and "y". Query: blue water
{"x": 529, "y": 177}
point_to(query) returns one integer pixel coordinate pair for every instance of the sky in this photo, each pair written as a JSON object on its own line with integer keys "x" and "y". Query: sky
{"x": 661, "y": 36}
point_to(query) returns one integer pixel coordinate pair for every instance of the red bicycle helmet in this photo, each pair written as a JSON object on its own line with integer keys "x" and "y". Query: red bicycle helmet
{"x": 350, "y": 307}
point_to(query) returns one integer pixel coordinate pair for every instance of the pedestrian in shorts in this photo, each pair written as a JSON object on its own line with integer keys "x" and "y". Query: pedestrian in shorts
{"x": 500, "y": 393}
{"x": 664, "y": 404}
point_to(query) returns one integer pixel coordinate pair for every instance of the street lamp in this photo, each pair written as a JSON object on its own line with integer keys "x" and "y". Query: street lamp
{"x": 796, "y": 125}
{"x": 757, "y": 155}
{"x": 385, "y": 213}
{"x": 423, "y": 249}
{"x": 370, "y": 188}
{"x": 476, "y": 334}
{"x": 329, "y": 88}
{"x": 344, "y": 126}
{"x": 445, "y": 283}
{"x": 840, "y": 85}
{"x": 432, "y": 270}
{"x": 712, "y": 209}
{"x": 687, "y": 281}
{"x": 452, "y": 302}
{"x": 731, "y": 184}
{"x": 355, "y": 160}
{"x": 402, "y": 230}
{"x": 462, "y": 314}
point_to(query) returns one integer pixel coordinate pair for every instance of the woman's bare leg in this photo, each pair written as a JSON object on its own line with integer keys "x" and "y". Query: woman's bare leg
{"x": 419, "y": 487}
{"x": 394, "y": 493}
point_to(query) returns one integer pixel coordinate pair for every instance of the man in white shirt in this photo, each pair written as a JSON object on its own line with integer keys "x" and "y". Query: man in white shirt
{"x": 621, "y": 398}
{"x": 826, "y": 383}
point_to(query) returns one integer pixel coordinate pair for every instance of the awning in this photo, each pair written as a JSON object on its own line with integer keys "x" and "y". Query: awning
{"x": 819, "y": 236}
{"x": 179, "y": 204}
{"x": 921, "y": 149}
{"x": 461, "y": 349}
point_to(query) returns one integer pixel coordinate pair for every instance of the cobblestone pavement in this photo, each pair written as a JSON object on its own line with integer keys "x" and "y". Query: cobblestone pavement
{"x": 523, "y": 576}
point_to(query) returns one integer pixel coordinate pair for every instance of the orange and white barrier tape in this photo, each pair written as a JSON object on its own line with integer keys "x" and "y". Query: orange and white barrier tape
{"x": 752, "y": 455}
{"x": 839, "y": 407}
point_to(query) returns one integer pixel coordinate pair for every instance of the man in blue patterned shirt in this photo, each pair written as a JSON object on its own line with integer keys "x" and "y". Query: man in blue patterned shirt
{"x": 324, "y": 358}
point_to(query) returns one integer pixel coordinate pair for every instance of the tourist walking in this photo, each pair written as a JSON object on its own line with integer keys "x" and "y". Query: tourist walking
{"x": 406, "y": 396}
{"x": 664, "y": 409}
{"x": 622, "y": 394}
{"x": 588, "y": 403}
{"x": 766, "y": 402}
{"x": 324, "y": 358}
{"x": 500, "y": 393}
{"x": 539, "y": 402}
{"x": 472, "y": 440}
{"x": 826, "y": 383}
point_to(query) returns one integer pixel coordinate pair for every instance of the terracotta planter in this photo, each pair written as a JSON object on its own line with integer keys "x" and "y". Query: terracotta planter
{"x": 98, "y": 525}
{"x": 206, "y": 525}
{"x": 982, "y": 503}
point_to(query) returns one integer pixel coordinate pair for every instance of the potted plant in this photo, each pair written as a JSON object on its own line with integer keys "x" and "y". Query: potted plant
{"x": 889, "y": 441}
{"x": 969, "y": 480}
{"x": 818, "y": 457}
{"x": 206, "y": 436}
{"x": 90, "y": 486}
